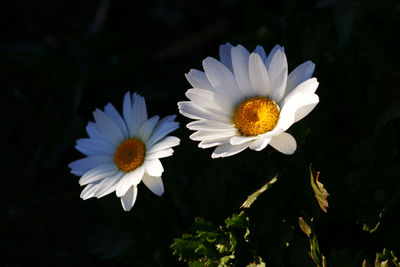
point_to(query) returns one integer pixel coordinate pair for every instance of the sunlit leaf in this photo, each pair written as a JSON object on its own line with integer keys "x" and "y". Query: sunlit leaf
{"x": 304, "y": 227}
{"x": 250, "y": 199}
{"x": 320, "y": 192}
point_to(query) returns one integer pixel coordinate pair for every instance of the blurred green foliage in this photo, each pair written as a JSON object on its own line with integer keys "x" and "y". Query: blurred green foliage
{"x": 59, "y": 60}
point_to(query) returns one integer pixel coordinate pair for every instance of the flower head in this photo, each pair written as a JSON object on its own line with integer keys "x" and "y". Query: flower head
{"x": 248, "y": 100}
{"x": 122, "y": 151}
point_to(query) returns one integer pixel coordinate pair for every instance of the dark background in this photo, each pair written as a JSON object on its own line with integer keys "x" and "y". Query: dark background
{"x": 59, "y": 60}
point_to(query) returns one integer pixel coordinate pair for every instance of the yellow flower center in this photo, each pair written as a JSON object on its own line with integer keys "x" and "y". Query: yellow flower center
{"x": 256, "y": 115}
{"x": 130, "y": 154}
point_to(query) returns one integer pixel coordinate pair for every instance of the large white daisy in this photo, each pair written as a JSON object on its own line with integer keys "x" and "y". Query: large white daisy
{"x": 248, "y": 100}
{"x": 122, "y": 151}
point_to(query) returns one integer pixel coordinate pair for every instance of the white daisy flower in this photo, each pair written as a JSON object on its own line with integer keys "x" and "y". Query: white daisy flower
{"x": 248, "y": 100}
{"x": 122, "y": 151}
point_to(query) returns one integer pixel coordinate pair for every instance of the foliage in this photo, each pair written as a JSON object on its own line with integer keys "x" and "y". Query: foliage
{"x": 227, "y": 245}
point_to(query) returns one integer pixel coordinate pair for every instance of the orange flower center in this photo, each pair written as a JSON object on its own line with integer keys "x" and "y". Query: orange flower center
{"x": 130, "y": 154}
{"x": 256, "y": 115}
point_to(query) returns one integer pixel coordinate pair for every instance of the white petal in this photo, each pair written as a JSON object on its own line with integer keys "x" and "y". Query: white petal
{"x": 277, "y": 72}
{"x": 303, "y": 111}
{"x": 193, "y": 111}
{"x": 258, "y": 76}
{"x": 98, "y": 173}
{"x": 80, "y": 166}
{"x": 210, "y": 101}
{"x": 286, "y": 116}
{"x": 198, "y": 79}
{"x": 94, "y": 132}
{"x": 108, "y": 127}
{"x": 160, "y": 154}
{"x": 131, "y": 178}
{"x": 127, "y": 113}
{"x": 153, "y": 183}
{"x": 153, "y": 167}
{"x": 240, "y": 63}
{"x": 300, "y": 74}
{"x": 225, "y": 55}
{"x": 307, "y": 87}
{"x": 139, "y": 113}
{"x": 226, "y": 150}
{"x": 95, "y": 147}
{"x": 108, "y": 185}
{"x": 166, "y": 142}
{"x": 88, "y": 191}
{"x": 209, "y": 125}
{"x": 110, "y": 110}
{"x": 163, "y": 127}
{"x": 260, "y": 143}
{"x": 129, "y": 198}
{"x": 271, "y": 55}
{"x": 284, "y": 143}
{"x": 210, "y": 135}
{"x": 222, "y": 79}
{"x": 260, "y": 51}
{"x": 213, "y": 142}
{"x": 238, "y": 139}
{"x": 147, "y": 128}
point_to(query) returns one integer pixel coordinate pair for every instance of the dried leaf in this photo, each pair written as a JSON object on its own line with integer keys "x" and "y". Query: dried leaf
{"x": 250, "y": 199}
{"x": 320, "y": 192}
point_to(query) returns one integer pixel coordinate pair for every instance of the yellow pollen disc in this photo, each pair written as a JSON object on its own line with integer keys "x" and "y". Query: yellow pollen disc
{"x": 256, "y": 115}
{"x": 130, "y": 154}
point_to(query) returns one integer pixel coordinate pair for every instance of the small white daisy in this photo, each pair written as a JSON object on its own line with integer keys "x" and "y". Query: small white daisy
{"x": 122, "y": 151}
{"x": 248, "y": 100}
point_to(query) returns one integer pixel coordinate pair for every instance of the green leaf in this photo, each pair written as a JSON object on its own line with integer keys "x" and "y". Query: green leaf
{"x": 383, "y": 259}
{"x": 237, "y": 221}
{"x": 250, "y": 199}
{"x": 320, "y": 192}
{"x": 315, "y": 253}
{"x": 304, "y": 227}
{"x": 372, "y": 224}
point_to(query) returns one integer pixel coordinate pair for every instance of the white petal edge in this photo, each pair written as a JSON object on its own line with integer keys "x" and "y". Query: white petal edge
{"x": 300, "y": 74}
{"x": 259, "y": 76}
{"x": 166, "y": 142}
{"x": 95, "y": 147}
{"x": 304, "y": 110}
{"x": 127, "y": 113}
{"x": 198, "y": 79}
{"x": 98, "y": 173}
{"x": 154, "y": 184}
{"x": 108, "y": 127}
{"x": 139, "y": 113}
{"x": 160, "y": 154}
{"x": 148, "y": 127}
{"x": 128, "y": 200}
{"x": 227, "y": 150}
{"x": 225, "y": 55}
{"x": 222, "y": 79}
{"x": 240, "y": 64}
{"x": 260, "y": 143}
{"x": 153, "y": 167}
{"x": 80, "y": 166}
{"x": 284, "y": 143}
{"x": 112, "y": 112}
{"x": 239, "y": 139}
{"x": 278, "y": 72}
{"x": 131, "y": 178}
